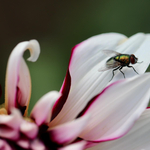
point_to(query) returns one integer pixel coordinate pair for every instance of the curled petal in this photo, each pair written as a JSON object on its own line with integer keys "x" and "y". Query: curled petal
{"x": 67, "y": 132}
{"x": 41, "y": 112}
{"x": 137, "y": 138}
{"x": 18, "y": 84}
{"x": 86, "y": 81}
{"x": 75, "y": 146}
{"x": 29, "y": 129}
{"x": 115, "y": 110}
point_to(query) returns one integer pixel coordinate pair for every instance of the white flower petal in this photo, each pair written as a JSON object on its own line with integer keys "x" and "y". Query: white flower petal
{"x": 138, "y": 45}
{"x": 138, "y": 138}
{"x": 86, "y": 81}
{"x": 75, "y": 146}
{"x": 114, "y": 111}
{"x": 18, "y": 84}
{"x": 86, "y": 58}
{"x": 66, "y": 133}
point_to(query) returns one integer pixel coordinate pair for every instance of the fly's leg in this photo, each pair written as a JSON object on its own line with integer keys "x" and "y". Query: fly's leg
{"x": 121, "y": 71}
{"x": 113, "y": 72}
{"x": 133, "y": 69}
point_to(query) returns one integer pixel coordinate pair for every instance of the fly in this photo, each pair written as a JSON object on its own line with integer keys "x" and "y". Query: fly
{"x": 118, "y": 61}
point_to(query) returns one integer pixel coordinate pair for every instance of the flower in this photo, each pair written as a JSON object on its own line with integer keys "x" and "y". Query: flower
{"x": 88, "y": 109}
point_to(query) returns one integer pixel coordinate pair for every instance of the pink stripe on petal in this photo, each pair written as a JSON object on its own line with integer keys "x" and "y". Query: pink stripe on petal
{"x": 73, "y": 51}
{"x": 90, "y": 144}
{"x": 114, "y": 112}
{"x": 18, "y": 76}
{"x": 64, "y": 89}
{"x": 41, "y": 112}
{"x": 61, "y": 101}
{"x": 68, "y": 132}
{"x": 95, "y": 98}
{"x": 75, "y": 146}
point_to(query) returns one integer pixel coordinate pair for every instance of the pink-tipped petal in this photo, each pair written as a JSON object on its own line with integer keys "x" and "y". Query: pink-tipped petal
{"x": 86, "y": 81}
{"x": 4, "y": 145}
{"x": 115, "y": 110}
{"x": 138, "y": 138}
{"x": 9, "y": 133}
{"x": 75, "y": 146}
{"x": 37, "y": 145}
{"x": 10, "y": 124}
{"x": 67, "y": 132}
{"x": 29, "y": 129}
{"x": 13, "y": 121}
{"x": 18, "y": 84}
{"x": 41, "y": 112}
{"x": 24, "y": 143}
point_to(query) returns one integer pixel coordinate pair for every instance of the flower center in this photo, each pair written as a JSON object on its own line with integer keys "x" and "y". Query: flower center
{"x": 29, "y": 119}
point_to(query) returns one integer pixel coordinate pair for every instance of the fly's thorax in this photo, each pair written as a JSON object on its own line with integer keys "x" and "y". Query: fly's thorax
{"x": 123, "y": 58}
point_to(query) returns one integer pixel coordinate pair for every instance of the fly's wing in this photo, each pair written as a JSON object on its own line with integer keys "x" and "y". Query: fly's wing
{"x": 110, "y": 64}
{"x": 110, "y": 53}
{"x": 103, "y": 68}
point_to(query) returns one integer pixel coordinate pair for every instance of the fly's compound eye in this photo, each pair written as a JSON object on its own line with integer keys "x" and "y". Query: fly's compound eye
{"x": 133, "y": 59}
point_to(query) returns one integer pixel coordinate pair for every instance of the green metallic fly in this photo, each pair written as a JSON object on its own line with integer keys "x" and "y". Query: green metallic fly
{"x": 118, "y": 61}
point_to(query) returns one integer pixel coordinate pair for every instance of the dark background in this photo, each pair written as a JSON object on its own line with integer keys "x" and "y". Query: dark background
{"x": 58, "y": 25}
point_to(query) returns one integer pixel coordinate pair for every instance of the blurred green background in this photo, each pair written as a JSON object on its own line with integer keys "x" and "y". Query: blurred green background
{"x": 58, "y": 26}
